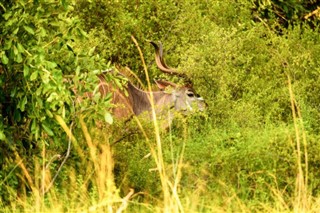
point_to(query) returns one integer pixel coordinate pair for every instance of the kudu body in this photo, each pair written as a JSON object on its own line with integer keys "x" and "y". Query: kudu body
{"x": 137, "y": 101}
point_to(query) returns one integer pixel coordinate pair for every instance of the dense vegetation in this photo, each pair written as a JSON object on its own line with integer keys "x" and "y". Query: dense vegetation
{"x": 255, "y": 148}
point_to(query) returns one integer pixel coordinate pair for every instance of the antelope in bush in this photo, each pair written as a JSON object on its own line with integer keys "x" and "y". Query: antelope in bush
{"x": 137, "y": 101}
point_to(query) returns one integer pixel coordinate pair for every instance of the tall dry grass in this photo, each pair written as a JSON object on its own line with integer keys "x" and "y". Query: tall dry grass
{"x": 303, "y": 198}
{"x": 171, "y": 198}
{"x": 45, "y": 196}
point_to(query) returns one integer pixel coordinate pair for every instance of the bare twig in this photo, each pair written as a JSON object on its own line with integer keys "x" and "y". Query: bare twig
{"x": 63, "y": 162}
{"x": 125, "y": 201}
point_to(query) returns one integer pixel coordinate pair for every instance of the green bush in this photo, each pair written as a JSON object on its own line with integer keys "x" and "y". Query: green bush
{"x": 42, "y": 64}
{"x": 240, "y": 64}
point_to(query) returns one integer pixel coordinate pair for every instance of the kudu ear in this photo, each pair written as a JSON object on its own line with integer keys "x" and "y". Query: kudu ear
{"x": 189, "y": 85}
{"x": 162, "y": 84}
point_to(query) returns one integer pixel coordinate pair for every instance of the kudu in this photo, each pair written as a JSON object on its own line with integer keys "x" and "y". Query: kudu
{"x": 137, "y": 101}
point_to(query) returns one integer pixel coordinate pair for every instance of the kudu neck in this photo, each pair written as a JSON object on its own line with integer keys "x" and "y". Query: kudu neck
{"x": 141, "y": 99}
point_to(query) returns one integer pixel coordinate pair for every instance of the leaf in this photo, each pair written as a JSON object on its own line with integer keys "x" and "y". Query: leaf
{"x": 33, "y": 125}
{"x": 4, "y": 9}
{"x": 7, "y": 15}
{"x": 64, "y": 4}
{"x": 25, "y": 70}
{"x": 18, "y": 58}
{"x": 126, "y": 93}
{"x": 47, "y": 129}
{"x": 91, "y": 51}
{"x": 45, "y": 77}
{"x": 7, "y": 44}
{"x": 50, "y": 64}
{"x": 78, "y": 70}
{"x": 48, "y": 112}
{"x": 82, "y": 33}
{"x": 4, "y": 58}
{"x": 34, "y": 76}
{"x": 117, "y": 81}
{"x": 42, "y": 32}
{"x": 29, "y": 29}
{"x": 23, "y": 103}
{"x": 15, "y": 50}
{"x": 108, "y": 118}
{"x": 2, "y": 136}
{"x": 20, "y": 47}
{"x": 17, "y": 115}
{"x": 16, "y": 31}
{"x": 52, "y": 96}
{"x": 36, "y": 133}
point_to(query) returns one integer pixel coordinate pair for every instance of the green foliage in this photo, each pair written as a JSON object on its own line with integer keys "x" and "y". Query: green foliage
{"x": 114, "y": 22}
{"x": 43, "y": 63}
{"x": 246, "y": 72}
{"x": 139, "y": 176}
{"x": 284, "y": 12}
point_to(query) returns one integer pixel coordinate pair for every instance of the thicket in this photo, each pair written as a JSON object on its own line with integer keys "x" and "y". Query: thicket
{"x": 241, "y": 55}
{"x": 42, "y": 73}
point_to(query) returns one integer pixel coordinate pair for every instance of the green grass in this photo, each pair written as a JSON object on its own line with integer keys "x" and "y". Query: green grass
{"x": 194, "y": 166}
{"x": 212, "y": 170}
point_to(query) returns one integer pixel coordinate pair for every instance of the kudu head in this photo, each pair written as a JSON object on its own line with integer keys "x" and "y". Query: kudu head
{"x": 184, "y": 97}
{"x": 169, "y": 96}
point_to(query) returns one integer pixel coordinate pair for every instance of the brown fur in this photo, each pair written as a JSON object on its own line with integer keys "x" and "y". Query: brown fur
{"x": 138, "y": 101}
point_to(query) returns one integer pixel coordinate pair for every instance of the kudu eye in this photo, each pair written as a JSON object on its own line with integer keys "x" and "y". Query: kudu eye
{"x": 190, "y": 94}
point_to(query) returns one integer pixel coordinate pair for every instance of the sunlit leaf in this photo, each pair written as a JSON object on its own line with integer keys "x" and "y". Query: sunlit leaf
{"x": 91, "y": 51}
{"x": 25, "y": 70}
{"x": 52, "y": 96}
{"x": 20, "y": 48}
{"x": 36, "y": 133}
{"x": 45, "y": 77}
{"x": 16, "y": 31}
{"x": 82, "y": 33}
{"x": 42, "y": 32}
{"x": 2, "y": 136}
{"x": 47, "y": 129}
{"x": 108, "y": 118}
{"x": 48, "y": 112}
{"x": 51, "y": 65}
{"x": 23, "y": 103}
{"x": 64, "y": 4}
{"x": 15, "y": 50}
{"x": 29, "y": 29}
{"x": 7, "y": 44}
{"x": 117, "y": 83}
{"x": 33, "y": 125}
{"x": 18, "y": 58}
{"x": 7, "y": 15}
{"x": 34, "y": 76}
{"x": 4, "y": 58}
{"x": 78, "y": 70}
